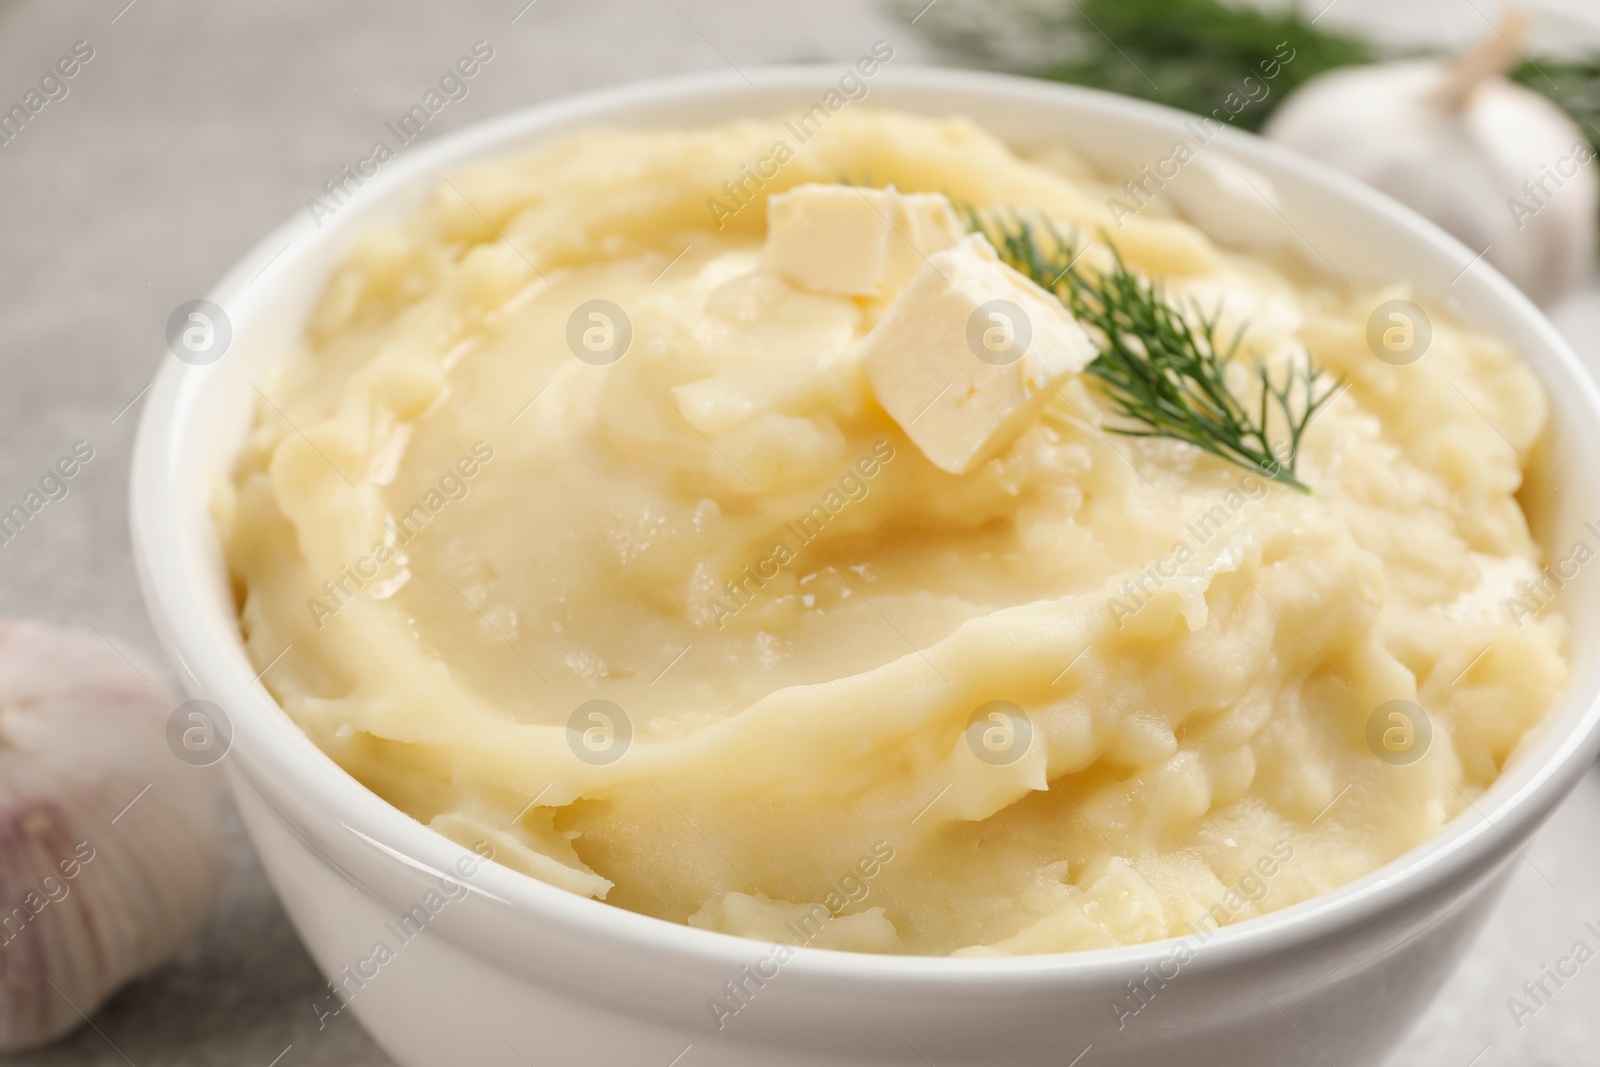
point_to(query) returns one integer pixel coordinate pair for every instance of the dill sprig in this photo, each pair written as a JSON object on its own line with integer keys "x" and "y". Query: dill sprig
{"x": 1188, "y": 54}
{"x": 1163, "y": 372}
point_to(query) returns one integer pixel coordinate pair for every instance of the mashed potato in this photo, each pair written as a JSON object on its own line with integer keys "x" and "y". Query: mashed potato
{"x": 650, "y": 599}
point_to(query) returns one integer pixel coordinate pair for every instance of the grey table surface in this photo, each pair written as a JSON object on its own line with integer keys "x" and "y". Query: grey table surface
{"x": 196, "y": 127}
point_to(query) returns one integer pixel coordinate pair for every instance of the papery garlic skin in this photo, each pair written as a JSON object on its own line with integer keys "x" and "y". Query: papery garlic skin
{"x": 110, "y": 846}
{"x": 1464, "y": 167}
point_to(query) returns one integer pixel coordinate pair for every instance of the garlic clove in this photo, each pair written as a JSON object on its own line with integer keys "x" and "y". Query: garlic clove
{"x": 110, "y": 845}
{"x": 1498, "y": 166}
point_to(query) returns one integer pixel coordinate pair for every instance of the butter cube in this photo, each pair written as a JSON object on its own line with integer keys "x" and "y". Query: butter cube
{"x": 847, "y": 241}
{"x": 968, "y": 354}
{"x": 925, "y": 223}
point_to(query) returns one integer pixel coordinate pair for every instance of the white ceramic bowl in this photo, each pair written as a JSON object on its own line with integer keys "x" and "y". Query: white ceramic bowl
{"x": 516, "y": 971}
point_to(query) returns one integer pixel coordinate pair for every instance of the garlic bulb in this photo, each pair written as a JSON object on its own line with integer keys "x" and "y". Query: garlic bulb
{"x": 110, "y": 844}
{"x": 1495, "y": 164}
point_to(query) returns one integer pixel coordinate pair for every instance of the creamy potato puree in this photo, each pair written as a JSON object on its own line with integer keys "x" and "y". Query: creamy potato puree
{"x": 463, "y": 534}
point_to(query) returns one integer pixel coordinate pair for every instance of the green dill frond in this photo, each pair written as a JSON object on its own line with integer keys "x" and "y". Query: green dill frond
{"x": 1165, "y": 373}
{"x": 1189, "y": 54}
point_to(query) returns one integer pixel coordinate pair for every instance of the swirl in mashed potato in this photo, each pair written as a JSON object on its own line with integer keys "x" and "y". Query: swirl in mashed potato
{"x": 797, "y": 626}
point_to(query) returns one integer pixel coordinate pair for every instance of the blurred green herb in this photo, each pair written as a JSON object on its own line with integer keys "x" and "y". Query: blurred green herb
{"x": 1191, "y": 54}
{"x": 1165, "y": 375}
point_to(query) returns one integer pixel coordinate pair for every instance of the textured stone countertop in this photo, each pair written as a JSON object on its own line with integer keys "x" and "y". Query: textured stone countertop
{"x": 198, "y": 126}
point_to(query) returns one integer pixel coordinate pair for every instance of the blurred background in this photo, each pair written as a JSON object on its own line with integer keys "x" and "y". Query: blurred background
{"x": 196, "y": 127}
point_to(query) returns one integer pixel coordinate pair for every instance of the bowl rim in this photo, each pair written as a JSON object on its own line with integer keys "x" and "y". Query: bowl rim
{"x": 269, "y": 748}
